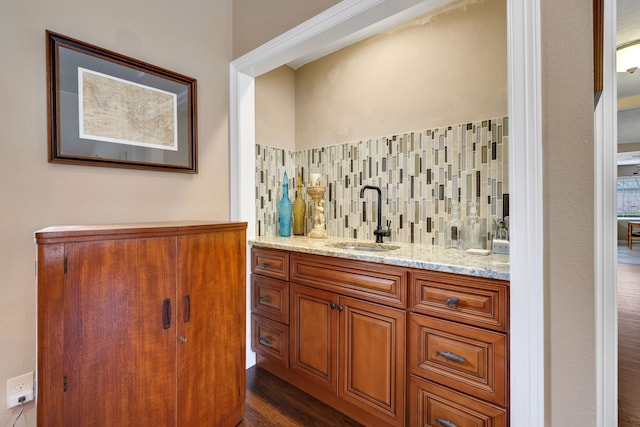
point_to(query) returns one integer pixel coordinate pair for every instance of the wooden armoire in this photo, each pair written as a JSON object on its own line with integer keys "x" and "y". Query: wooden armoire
{"x": 141, "y": 324}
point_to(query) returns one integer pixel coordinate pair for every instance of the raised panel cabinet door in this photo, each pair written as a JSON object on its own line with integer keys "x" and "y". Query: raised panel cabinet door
{"x": 313, "y": 329}
{"x": 372, "y": 358}
{"x": 119, "y": 337}
{"x": 211, "y": 328}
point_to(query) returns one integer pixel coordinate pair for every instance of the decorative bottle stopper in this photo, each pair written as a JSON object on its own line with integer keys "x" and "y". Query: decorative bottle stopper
{"x": 299, "y": 209}
{"x": 284, "y": 209}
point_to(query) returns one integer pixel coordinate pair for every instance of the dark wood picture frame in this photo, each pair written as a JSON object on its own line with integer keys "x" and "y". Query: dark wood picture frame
{"x": 598, "y": 47}
{"x": 107, "y": 109}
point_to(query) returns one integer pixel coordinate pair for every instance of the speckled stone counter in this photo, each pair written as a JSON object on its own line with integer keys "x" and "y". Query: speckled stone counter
{"x": 493, "y": 266}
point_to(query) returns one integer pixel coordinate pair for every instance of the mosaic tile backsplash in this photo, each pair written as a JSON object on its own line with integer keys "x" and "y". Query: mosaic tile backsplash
{"x": 421, "y": 174}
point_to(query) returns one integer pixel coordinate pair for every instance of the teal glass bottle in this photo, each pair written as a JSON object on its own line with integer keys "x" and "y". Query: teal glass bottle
{"x": 285, "y": 209}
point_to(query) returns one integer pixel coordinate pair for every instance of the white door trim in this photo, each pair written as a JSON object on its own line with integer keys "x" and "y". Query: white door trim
{"x": 526, "y": 215}
{"x": 527, "y": 309}
{"x": 605, "y": 229}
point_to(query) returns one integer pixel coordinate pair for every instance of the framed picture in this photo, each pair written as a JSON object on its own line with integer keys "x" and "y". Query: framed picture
{"x": 106, "y": 109}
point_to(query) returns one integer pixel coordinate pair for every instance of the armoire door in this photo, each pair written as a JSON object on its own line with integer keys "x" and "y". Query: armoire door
{"x": 119, "y": 333}
{"x": 211, "y": 337}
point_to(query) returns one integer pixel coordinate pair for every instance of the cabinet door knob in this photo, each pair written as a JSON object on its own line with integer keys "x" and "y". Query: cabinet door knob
{"x": 182, "y": 339}
{"x": 340, "y": 308}
{"x": 450, "y": 356}
{"x": 445, "y": 423}
{"x": 332, "y": 305}
{"x": 452, "y": 301}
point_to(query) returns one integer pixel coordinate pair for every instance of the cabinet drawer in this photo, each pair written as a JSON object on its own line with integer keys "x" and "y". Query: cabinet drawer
{"x": 434, "y": 406}
{"x": 472, "y": 300}
{"x": 270, "y": 298}
{"x": 465, "y": 358}
{"x": 367, "y": 280}
{"x": 270, "y": 262}
{"x": 270, "y": 339}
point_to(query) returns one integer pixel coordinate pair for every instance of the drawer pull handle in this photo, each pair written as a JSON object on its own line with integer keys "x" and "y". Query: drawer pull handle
{"x": 263, "y": 298}
{"x": 265, "y": 265}
{"x": 452, "y": 301}
{"x": 445, "y": 423}
{"x": 450, "y": 356}
{"x": 264, "y": 340}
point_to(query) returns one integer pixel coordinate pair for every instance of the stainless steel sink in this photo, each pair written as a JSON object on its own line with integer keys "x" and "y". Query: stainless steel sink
{"x": 364, "y": 246}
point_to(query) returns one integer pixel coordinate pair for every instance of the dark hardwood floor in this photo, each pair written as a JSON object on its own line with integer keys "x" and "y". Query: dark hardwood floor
{"x": 272, "y": 402}
{"x": 628, "y": 344}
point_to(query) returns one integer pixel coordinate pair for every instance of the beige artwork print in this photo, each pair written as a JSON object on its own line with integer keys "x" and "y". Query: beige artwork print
{"x": 118, "y": 111}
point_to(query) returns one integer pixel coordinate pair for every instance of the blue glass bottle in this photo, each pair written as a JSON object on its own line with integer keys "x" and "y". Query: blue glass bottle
{"x": 285, "y": 209}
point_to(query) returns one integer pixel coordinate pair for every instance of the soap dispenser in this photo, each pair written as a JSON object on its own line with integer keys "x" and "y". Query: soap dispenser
{"x": 285, "y": 209}
{"x": 453, "y": 228}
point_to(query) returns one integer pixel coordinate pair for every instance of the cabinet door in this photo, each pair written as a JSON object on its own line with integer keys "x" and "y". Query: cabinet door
{"x": 211, "y": 318}
{"x": 119, "y": 362}
{"x": 313, "y": 329}
{"x": 372, "y": 358}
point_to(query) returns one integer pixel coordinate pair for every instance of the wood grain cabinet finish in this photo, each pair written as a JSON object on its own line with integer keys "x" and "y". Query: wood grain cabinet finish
{"x": 362, "y": 335}
{"x": 471, "y": 300}
{"x": 458, "y": 338}
{"x": 468, "y": 359}
{"x": 350, "y": 347}
{"x": 432, "y": 405}
{"x": 270, "y": 263}
{"x": 270, "y": 298}
{"x": 270, "y": 305}
{"x": 270, "y": 339}
{"x": 370, "y": 281}
{"x": 141, "y": 322}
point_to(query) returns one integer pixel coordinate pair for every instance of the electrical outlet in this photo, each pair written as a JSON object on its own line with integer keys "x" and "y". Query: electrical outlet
{"x": 20, "y": 386}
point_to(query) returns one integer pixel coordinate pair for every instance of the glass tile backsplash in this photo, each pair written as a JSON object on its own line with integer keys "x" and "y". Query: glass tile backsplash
{"x": 420, "y": 175}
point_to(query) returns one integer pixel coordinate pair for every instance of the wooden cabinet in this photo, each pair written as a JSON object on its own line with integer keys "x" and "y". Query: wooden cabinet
{"x": 141, "y": 322}
{"x": 270, "y": 305}
{"x": 386, "y": 345}
{"x": 346, "y": 336}
{"x": 350, "y": 347}
{"x": 458, "y": 338}
{"x": 432, "y": 405}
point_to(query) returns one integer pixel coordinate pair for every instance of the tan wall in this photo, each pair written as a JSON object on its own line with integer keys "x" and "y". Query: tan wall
{"x": 446, "y": 70}
{"x": 34, "y": 193}
{"x": 255, "y": 22}
{"x": 275, "y": 109}
{"x": 567, "y": 119}
{"x": 626, "y": 148}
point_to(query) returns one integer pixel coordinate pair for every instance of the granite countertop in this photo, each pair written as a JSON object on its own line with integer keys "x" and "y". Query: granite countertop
{"x": 426, "y": 257}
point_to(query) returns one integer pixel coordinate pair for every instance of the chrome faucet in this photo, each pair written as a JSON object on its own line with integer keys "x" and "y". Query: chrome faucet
{"x": 378, "y": 232}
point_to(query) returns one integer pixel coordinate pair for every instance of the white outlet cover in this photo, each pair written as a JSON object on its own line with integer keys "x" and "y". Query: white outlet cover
{"x": 22, "y": 385}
